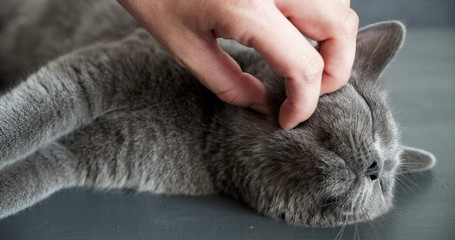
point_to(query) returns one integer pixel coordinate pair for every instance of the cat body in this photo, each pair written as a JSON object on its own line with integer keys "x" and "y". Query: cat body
{"x": 107, "y": 107}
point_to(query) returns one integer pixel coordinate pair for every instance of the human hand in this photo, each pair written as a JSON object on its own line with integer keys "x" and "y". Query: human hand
{"x": 188, "y": 30}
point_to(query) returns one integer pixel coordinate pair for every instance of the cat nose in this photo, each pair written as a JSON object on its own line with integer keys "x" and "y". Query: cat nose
{"x": 373, "y": 171}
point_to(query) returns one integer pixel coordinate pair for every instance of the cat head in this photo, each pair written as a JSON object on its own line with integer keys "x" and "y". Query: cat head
{"x": 339, "y": 166}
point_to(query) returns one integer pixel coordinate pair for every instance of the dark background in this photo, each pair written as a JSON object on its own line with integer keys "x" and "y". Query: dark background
{"x": 414, "y": 13}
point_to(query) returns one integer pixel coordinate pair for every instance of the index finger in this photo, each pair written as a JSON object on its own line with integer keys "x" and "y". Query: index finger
{"x": 291, "y": 56}
{"x": 334, "y": 25}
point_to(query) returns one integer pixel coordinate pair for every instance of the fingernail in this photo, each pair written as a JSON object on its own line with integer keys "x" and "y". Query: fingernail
{"x": 287, "y": 126}
{"x": 260, "y": 108}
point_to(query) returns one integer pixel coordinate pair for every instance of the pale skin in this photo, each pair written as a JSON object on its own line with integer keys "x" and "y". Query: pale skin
{"x": 188, "y": 29}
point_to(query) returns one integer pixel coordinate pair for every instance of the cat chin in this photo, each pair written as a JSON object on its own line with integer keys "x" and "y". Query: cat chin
{"x": 329, "y": 221}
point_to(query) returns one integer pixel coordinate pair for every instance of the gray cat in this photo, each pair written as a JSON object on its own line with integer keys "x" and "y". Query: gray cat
{"x": 106, "y": 107}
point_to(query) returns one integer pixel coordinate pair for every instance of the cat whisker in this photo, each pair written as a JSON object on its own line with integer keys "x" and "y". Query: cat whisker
{"x": 405, "y": 109}
{"x": 340, "y": 233}
{"x": 330, "y": 202}
{"x": 413, "y": 183}
{"x": 356, "y": 234}
{"x": 357, "y": 219}
{"x": 410, "y": 164}
{"x": 404, "y": 189}
{"x": 402, "y": 182}
{"x": 395, "y": 99}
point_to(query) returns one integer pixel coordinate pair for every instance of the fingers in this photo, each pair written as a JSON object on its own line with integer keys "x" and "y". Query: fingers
{"x": 307, "y": 72}
{"x": 290, "y": 55}
{"x": 338, "y": 54}
{"x": 338, "y": 51}
{"x": 334, "y": 25}
{"x": 220, "y": 73}
{"x": 274, "y": 28}
{"x": 276, "y": 33}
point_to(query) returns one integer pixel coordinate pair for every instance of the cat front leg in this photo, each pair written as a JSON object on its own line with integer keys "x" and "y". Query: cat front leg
{"x": 36, "y": 177}
{"x": 71, "y": 91}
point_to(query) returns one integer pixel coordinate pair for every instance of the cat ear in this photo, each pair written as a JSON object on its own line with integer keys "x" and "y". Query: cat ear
{"x": 415, "y": 160}
{"x": 377, "y": 44}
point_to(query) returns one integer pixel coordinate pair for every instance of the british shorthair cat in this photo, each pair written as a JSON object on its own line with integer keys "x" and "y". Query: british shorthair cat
{"x": 92, "y": 100}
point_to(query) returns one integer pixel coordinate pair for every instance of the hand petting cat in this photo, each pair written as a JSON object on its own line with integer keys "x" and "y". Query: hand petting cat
{"x": 106, "y": 107}
{"x": 189, "y": 29}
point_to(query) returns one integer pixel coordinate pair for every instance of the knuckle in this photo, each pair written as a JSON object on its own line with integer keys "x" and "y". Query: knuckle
{"x": 341, "y": 82}
{"x": 252, "y": 5}
{"x": 312, "y": 70}
{"x": 344, "y": 80}
{"x": 351, "y": 22}
{"x": 340, "y": 78}
{"x": 334, "y": 84}
{"x": 302, "y": 109}
{"x": 343, "y": 77}
{"x": 243, "y": 18}
{"x": 181, "y": 61}
{"x": 182, "y": 58}
{"x": 229, "y": 96}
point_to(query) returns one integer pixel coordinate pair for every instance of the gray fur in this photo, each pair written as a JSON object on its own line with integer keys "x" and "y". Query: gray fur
{"x": 97, "y": 102}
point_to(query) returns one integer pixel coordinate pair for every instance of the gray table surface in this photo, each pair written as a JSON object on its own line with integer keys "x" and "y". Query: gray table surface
{"x": 421, "y": 79}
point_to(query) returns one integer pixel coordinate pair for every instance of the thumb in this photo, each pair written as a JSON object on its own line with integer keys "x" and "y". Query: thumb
{"x": 220, "y": 73}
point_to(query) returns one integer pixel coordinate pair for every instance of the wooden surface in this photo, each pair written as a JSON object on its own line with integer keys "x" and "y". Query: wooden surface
{"x": 421, "y": 79}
